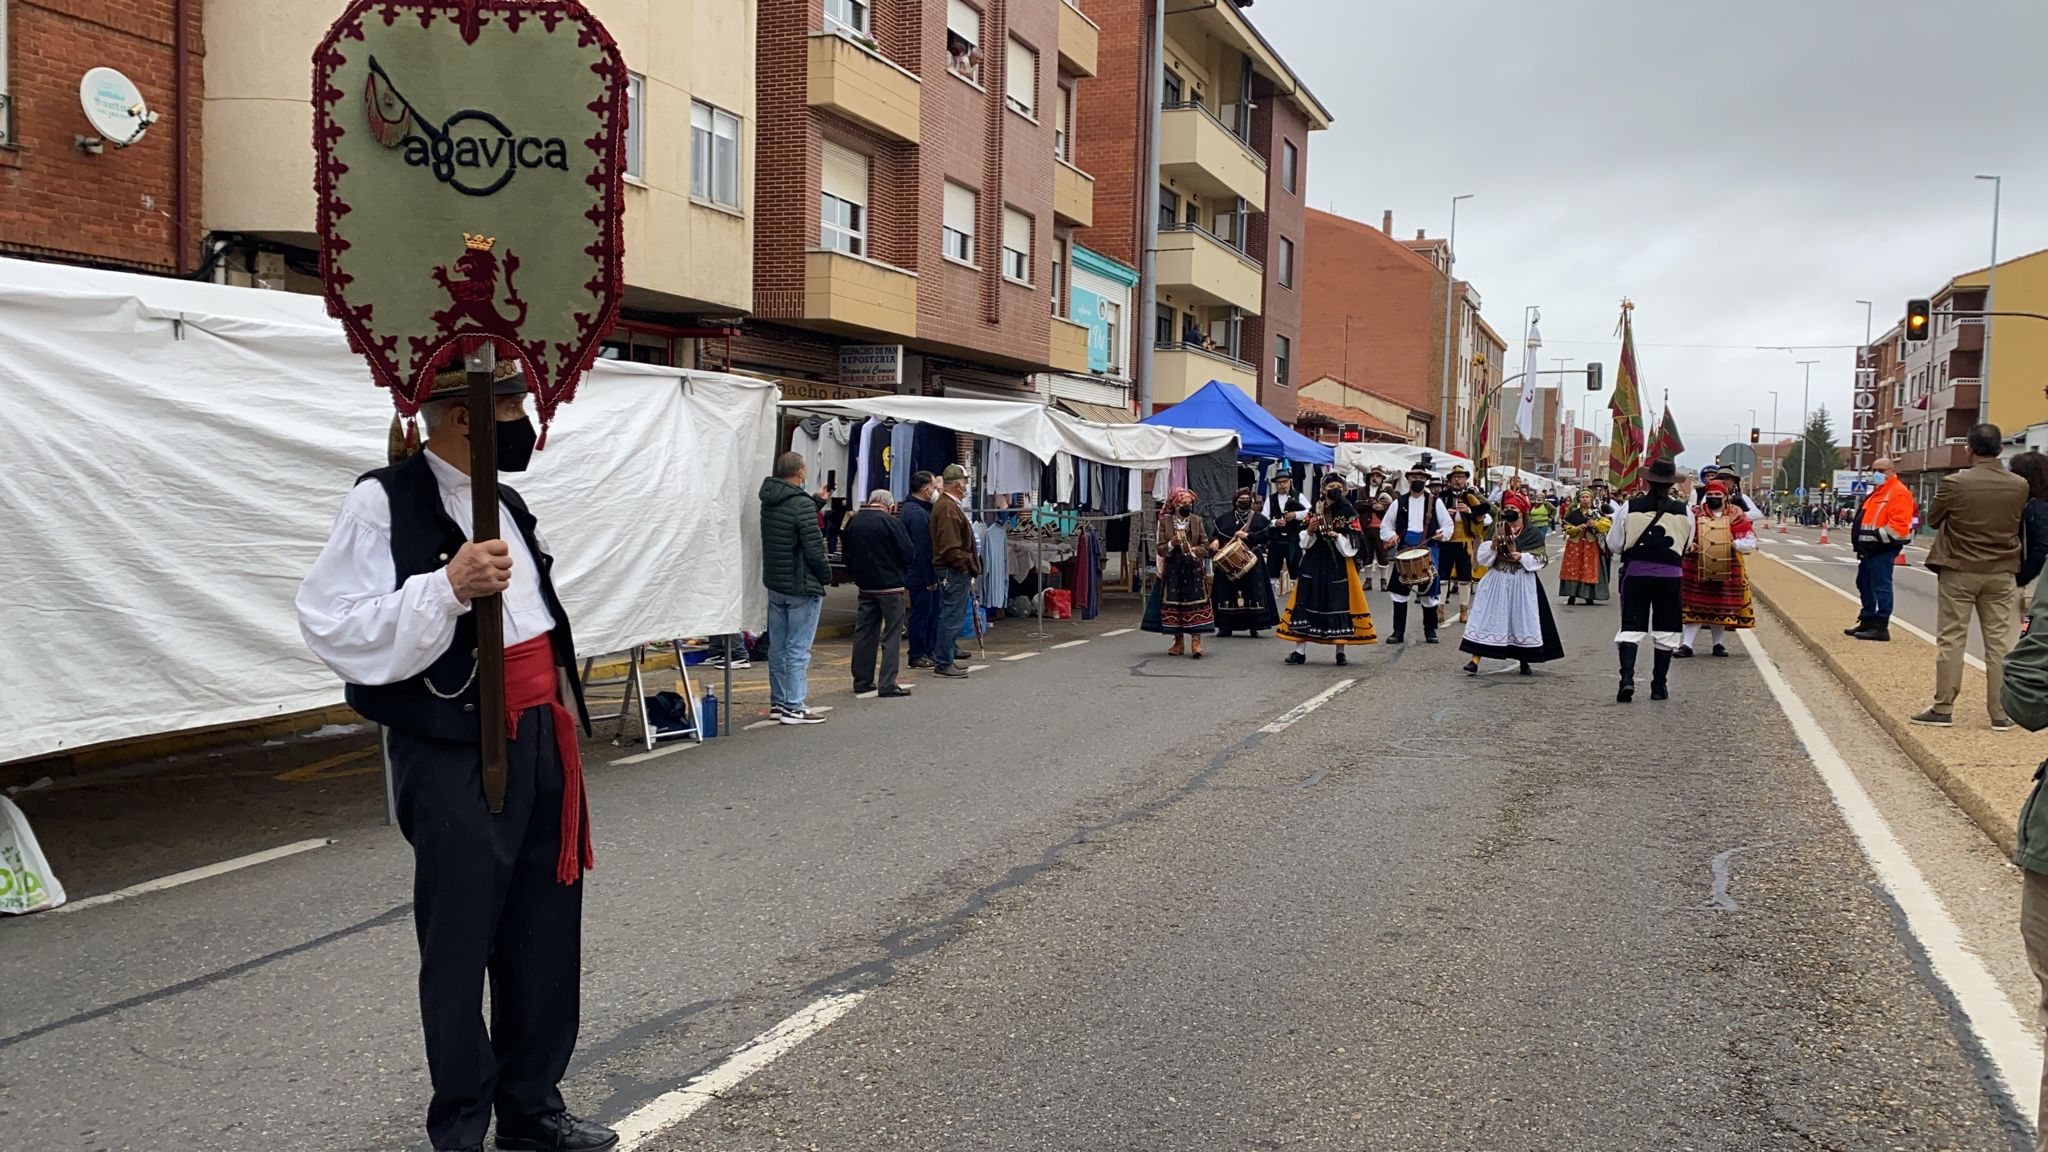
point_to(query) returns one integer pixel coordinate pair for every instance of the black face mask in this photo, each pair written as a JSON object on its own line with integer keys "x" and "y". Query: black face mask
{"x": 1415, "y": 485}
{"x": 1243, "y": 504}
{"x": 515, "y": 444}
{"x": 1715, "y": 502}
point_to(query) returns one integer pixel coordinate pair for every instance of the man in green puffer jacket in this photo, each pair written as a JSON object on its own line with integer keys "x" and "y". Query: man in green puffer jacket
{"x": 795, "y": 570}
{"x": 2025, "y": 698}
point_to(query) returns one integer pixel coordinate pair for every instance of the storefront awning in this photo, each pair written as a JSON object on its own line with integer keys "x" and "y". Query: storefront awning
{"x": 1100, "y": 413}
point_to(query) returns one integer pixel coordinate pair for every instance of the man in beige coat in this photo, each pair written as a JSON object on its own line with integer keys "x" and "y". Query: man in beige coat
{"x": 1976, "y": 516}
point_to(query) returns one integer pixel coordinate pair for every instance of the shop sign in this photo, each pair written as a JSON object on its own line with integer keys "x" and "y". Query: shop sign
{"x": 872, "y": 365}
{"x": 814, "y": 390}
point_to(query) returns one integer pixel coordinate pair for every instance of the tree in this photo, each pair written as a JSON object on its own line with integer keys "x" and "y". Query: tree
{"x": 1812, "y": 460}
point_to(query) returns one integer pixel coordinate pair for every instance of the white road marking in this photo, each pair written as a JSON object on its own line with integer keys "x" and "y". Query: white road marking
{"x": 176, "y": 879}
{"x": 1302, "y": 709}
{"x": 760, "y": 724}
{"x": 1069, "y": 644}
{"x": 977, "y": 667}
{"x": 1998, "y": 1026}
{"x": 1810, "y": 558}
{"x": 1018, "y": 656}
{"x": 672, "y": 749}
{"x": 1119, "y": 632}
{"x": 672, "y": 1108}
{"x": 1970, "y": 658}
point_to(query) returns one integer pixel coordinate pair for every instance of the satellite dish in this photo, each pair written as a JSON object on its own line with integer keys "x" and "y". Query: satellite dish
{"x": 114, "y": 106}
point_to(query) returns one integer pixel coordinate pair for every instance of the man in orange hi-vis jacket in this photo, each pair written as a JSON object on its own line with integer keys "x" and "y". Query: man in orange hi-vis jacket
{"x": 1883, "y": 524}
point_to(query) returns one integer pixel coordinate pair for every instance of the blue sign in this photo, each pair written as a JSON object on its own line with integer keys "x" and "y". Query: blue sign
{"x": 1800, "y": 493}
{"x": 1085, "y": 308}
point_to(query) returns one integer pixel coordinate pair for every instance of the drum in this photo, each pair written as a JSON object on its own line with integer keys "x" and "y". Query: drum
{"x": 1414, "y": 568}
{"x": 1717, "y": 550}
{"x": 1235, "y": 561}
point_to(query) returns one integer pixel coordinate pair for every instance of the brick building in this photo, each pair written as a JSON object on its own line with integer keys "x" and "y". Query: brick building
{"x": 1230, "y": 168}
{"x": 66, "y": 194}
{"x": 1374, "y": 315}
{"x": 913, "y": 226}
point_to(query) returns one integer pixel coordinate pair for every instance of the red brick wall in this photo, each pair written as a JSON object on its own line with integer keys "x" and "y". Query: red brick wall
{"x": 786, "y": 154}
{"x": 1395, "y": 304}
{"x": 1110, "y": 123}
{"x": 1275, "y": 119}
{"x": 59, "y": 203}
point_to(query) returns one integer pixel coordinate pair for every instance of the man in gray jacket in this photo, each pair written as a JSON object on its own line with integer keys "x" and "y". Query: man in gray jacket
{"x": 1976, "y": 558}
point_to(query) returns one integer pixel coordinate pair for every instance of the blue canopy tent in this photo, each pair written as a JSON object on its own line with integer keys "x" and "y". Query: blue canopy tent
{"x": 1259, "y": 436}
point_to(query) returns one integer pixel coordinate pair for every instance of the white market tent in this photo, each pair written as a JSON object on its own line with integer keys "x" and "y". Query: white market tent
{"x": 176, "y": 453}
{"x": 1039, "y": 430}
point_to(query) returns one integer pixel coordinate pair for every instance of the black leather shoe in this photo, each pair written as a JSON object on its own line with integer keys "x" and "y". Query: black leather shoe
{"x": 892, "y": 693}
{"x": 1685, "y": 652}
{"x": 920, "y": 662}
{"x": 1878, "y": 632}
{"x": 1430, "y": 638}
{"x": 1720, "y": 649}
{"x": 1295, "y": 658}
{"x": 1340, "y": 657}
{"x": 555, "y": 1132}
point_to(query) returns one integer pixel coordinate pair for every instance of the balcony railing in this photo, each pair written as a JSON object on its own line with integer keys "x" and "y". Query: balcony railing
{"x": 1243, "y": 137}
{"x": 1215, "y": 354}
{"x": 1243, "y": 256}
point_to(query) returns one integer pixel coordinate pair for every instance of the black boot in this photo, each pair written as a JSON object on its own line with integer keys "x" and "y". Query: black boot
{"x": 1628, "y": 673}
{"x": 1429, "y": 618}
{"x": 1400, "y": 622}
{"x": 1862, "y": 622}
{"x": 1659, "y": 688}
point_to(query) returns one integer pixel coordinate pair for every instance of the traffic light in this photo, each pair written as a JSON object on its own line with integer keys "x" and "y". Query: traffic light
{"x": 1350, "y": 434}
{"x": 1593, "y": 376}
{"x": 1755, "y": 435}
{"x": 1917, "y": 316}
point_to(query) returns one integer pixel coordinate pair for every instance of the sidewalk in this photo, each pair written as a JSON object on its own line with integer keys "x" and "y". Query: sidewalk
{"x": 1986, "y": 773}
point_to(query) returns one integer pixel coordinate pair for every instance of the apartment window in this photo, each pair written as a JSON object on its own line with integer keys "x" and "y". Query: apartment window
{"x": 963, "y": 40}
{"x": 1016, "y": 245}
{"x": 1170, "y": 90}
{"x": 1020, "y": 75}
{"x": 1063, "y": 124}
{"x": 636, "y": 129}
{"x": 843, "y": 201}
{"x": 1169, "y": 208}
{"x": 1286, "y": 262}
{"x": 1290, "y": 166}
{"x": 846, "y": 16}
{"x": 1162, "y": 324}
{"x": 6, "y": 97}
{"x": 1112, "y": 331}
{"x": 957, "y": 237}
{"x": 1056, "y": 272}
{"x": 1283, "y": 352}
{"x": 1193, "y": 215}
{"x": 714, "y": 155}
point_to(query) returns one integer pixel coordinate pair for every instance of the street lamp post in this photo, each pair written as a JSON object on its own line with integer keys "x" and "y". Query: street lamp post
{"x": 1776, "y": 480}
{"x": 1450, "y": 293}
{"x": 1856, "y": 441}
{"x": 1805, "y": 414}
{"x": 1990, "y": 286}
{"x": 1752, "y": 451}
{"x": 1560, "y": 361}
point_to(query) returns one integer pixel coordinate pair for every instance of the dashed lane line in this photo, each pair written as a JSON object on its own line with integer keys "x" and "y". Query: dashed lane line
{"x": 1295, "y": 714}
{"x": 1069, "y": 644}
{"x": 1118, "y": 632}
{"x": 1015, "y": 657}
{"x": 176, "y": 879}
{"x": 2014, "y": 1054}
{"x": 672, "y": 1108}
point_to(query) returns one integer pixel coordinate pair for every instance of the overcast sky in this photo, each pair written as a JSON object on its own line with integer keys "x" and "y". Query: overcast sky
{"x": 1743, "y": 171}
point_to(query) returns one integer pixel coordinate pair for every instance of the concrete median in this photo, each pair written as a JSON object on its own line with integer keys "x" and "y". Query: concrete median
{"x": 1986, "y": 773}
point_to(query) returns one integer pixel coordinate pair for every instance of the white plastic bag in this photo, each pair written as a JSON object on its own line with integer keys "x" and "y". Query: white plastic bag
{"x": 26, "y": 883}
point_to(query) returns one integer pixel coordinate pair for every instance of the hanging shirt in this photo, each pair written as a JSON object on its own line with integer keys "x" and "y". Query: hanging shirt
{"x": 902, "y": 453}
{"x": 358, "y": 621}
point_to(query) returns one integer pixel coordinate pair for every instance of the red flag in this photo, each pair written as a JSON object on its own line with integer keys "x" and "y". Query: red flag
{"x": 1625, "y": 446}
{"x": 1667, "y": 445}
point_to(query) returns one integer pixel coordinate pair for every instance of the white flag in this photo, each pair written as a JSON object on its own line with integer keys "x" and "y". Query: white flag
{"x": 1525, "y": 413}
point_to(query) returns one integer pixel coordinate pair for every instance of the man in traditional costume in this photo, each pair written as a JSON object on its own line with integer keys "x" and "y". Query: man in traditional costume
{"x": 1510, "y": 614}
{"x": 1180, "y": 605}
{"x": 1585, "y": 531}
{"x": 1328, "y": 604}
{"x": 1285, "y": 511}
{"x": 1471, "y": 520}
{"x": 1370, "y": 502}
{"x": 496, "y": 893}
{"x": 1417, "y": 520}
{"x": 1246, "y": 603}
{"x": 1716, "y": 591}
{"x": 1651, "y": 539}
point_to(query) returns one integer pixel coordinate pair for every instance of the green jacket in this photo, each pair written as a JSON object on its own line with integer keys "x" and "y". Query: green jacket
{"x": 792, "y": 548}
{"x": 2026, "y": 700}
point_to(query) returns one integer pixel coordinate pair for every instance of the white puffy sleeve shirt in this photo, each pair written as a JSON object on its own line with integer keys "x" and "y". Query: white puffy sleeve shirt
{"x": 369, "y": 629}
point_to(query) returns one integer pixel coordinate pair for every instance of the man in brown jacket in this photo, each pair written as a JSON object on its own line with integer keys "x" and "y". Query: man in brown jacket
{"x": 1976, "y": 558}
{"x": 954, "y": 558}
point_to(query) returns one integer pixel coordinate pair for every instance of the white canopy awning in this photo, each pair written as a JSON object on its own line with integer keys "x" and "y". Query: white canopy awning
{"x": 1041, "y": 431}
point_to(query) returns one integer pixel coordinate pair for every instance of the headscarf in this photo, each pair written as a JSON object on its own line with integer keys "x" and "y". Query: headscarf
{"x": 1174, "y": 500}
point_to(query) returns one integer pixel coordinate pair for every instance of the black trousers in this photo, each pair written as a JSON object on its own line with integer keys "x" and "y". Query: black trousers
{"x": 486, "y": 905}
{"x": 877, "y": 621}
{"x": 1652, "y": 608}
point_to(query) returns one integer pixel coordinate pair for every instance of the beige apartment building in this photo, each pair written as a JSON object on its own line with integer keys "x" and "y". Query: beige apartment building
{"x": 689, "y": 158}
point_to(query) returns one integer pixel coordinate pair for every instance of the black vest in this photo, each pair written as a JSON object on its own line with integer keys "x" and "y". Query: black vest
{"x": 423, "y": 539}
{"x": 1399, "y": 511}
{"x": 1662, "y": 544}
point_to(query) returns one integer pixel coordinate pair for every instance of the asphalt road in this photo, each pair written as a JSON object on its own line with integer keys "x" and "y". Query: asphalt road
{"x": 1913, "y": 585}
{"x": 1091, "y": 905}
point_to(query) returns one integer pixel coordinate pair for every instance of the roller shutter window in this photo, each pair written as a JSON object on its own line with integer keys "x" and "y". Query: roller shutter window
{"x": 1021, "y": 88}
{"x": 1016, "y": 245}
{"x": 958, "y": 234}
{"x": 843, "y": 201}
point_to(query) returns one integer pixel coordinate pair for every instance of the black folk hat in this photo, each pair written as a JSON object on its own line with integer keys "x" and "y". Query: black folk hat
{"x": 1661, "y": 471}
{"x": 506, "y": 380}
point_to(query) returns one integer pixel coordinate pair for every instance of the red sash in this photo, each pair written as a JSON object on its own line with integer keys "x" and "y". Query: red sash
{"x": 531, "y": 681}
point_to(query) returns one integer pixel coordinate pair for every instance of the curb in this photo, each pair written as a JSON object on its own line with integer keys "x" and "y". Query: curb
{"x": 1987, "y": 813}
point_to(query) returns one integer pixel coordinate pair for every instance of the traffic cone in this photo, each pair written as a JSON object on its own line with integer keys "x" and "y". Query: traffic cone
{"x": 1823, "y": 531}
{"x": 1899, "y": 558}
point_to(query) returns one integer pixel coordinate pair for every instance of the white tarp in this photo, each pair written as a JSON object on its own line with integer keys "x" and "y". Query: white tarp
{"x": 1037, "y": 429}
{"x": 1497, "y": 476}
{"x": 1355, "y": 460}
{"x": 174, "y": 457}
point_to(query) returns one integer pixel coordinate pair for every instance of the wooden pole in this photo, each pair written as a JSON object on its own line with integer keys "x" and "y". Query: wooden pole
{"x": 490, "y": 621}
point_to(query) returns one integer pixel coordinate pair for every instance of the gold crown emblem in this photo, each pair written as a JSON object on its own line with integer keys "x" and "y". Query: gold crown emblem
{"x": 479, "y": 243}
